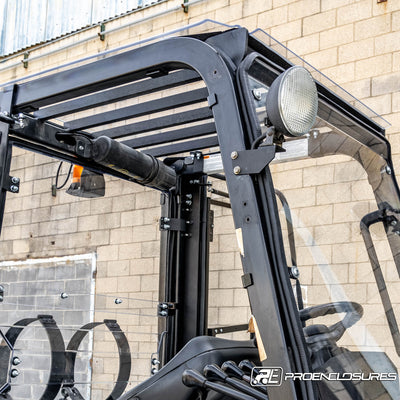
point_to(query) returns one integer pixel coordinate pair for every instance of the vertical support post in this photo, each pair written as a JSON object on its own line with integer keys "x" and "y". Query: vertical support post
{"x": 184, "y": 264}
{"x": 5, "y": 148}
{"x": 26, "y": 59}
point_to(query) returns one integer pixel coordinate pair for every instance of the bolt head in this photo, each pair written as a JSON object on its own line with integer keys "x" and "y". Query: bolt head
{"x": 14, "y": 188}
{"x": 257, "y": 94}
{"x": 388, "y": 170}
{"x": 14, "y": 373}
{"x": 236, "y": 170}
{"x": 64, "y": 295}
{"x": 16, "y": 361}
{"x": 15, "y": 180}
{"x": 295, "y": 272}
{"x": 393, "y": 223}
{"x": 118, "y": 301}
{"x": 81, "y": 148}
{"x": 234, "y": 155}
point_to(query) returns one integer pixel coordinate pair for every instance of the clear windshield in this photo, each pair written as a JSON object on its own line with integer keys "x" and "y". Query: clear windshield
{"x": 338, "y": 207}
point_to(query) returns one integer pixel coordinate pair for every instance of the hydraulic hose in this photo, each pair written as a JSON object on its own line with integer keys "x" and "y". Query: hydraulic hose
{"x": 144, "y": 168}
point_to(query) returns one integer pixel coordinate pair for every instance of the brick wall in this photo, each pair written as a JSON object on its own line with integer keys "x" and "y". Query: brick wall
{"x": 354, "y": 42}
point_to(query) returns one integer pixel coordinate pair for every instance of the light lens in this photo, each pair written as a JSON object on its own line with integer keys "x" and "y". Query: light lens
{"x": 292, "y": 102}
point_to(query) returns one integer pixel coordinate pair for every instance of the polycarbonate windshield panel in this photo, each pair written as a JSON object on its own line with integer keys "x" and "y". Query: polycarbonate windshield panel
{"x": 209, "y": 25}
{"x": 339, "y": 207}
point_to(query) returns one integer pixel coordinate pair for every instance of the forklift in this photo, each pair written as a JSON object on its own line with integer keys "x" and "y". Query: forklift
{"x": 247, "y": 111}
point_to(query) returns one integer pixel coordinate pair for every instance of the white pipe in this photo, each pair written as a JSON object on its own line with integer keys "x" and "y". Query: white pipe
{"x": 151, "y": 16}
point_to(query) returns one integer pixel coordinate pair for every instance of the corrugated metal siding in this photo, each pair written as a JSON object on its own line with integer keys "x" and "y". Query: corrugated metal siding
{"x": 28, "y": 22}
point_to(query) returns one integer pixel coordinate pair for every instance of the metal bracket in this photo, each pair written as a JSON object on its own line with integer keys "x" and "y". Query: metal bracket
{"x": 247, "y": 162}
{"x": 11, "y": 184}
{"x": 71, "y": 393}
{"x": 102, "y": 29}
{"x": 185, "y": 8}
{"x": 166, "y": 309}
{"x": 172, "y": 224}
{"x": 25, "y": 60}
{"x": 247, "y": 280}
{"x": 1, "y": 293}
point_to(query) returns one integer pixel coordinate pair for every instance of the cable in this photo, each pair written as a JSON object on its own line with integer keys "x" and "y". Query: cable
{"x": 58, "y": 174}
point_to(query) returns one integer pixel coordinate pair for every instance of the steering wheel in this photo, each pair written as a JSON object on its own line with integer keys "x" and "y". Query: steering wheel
{"x": 354, "y": 311}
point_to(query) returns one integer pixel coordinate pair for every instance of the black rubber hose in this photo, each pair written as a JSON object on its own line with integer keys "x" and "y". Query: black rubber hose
{"x": 144, "y": 168}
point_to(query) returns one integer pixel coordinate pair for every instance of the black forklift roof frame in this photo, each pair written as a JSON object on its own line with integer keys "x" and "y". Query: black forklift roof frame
{"x": 28, "y": 110}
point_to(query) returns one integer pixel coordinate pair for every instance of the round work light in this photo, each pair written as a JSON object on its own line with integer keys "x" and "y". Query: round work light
{"x": 292, "y": 102}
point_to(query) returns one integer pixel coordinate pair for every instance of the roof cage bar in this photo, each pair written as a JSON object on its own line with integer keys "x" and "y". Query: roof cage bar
{"x": 138, "y": 110}
{"x": 157, "y": 123}
{"x": 183, "y": 147}
{"x": 131, "y": 90}
{"x": 170, "y": 136}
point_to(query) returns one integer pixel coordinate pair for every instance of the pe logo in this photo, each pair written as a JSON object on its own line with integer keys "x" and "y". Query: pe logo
{"x": 268, "y": 376}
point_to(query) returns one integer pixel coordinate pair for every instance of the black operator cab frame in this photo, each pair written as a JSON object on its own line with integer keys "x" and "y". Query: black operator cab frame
{"x": 236, "y": 111}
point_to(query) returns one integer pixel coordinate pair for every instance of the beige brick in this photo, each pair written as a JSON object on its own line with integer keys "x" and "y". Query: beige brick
{"x": 336, "y": 36}
{"x": 221, "y": 298}
{"x": 213, "y": 280}
{"x": 107, "y": 253}
{"x": 231, "y": 13}
{"x": 106, "y": 285}
{"x": 374, "y": 66}
{"x": 359, "y": 89}
{"x": 356, "y": 50}
{"x": 303, "y": 8}
{"x": 386, "y": 84}
{"x": 144, "y": 233}
{"x": 395, "y": 102}
{"x": 372, "y": 27}
{"x": 147, "y": 199}
{"x": 123, "y": 203}
{"x": 129, "y": 284}
{"x": 288, "y": 31}
{"x": 271, "y": 18}
{"x": 385, "y": 7}
{"x": 319, "y": 22}
{"x": 380, "y": 104}
{"x": 228, "y": 243}
{"x": 341, "y": 73}
{"x": 280, "y": 3}
{"x": 387, "y": 43}
{"x": 354, "y": 12}
{"x": 118, "y": 268}
{"x": 220, "y": 261}
{"x": 337, "y": 193}
{"x": 288, "y": 179}
{"x": 251, "y": 7}
{"x": 303, "y": 197}
{"x": 349, "y": 253}
{"x": 20, "y": 246}
{"x": 240, "y": 298}
{"x": 230, "y": 279}
{"x": 130, "y": 250}
{"x": 148, "y": 283}
{"x": 150, "y": 249}
{"x": 304, "y": 45}
{"x": 329, "y": 4}
{"x": 142, "y": 266}
{"x": 319, "y": 175}
{"x": 227, "y": 317}
{"x": 88, "y": 223}
{"x": 308, "y": 215}
{"x": 337, "y": 233}
{"x": 322, "y": 59}
{"x": 132, "y": 218}
{"x": 121, "y": 235}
